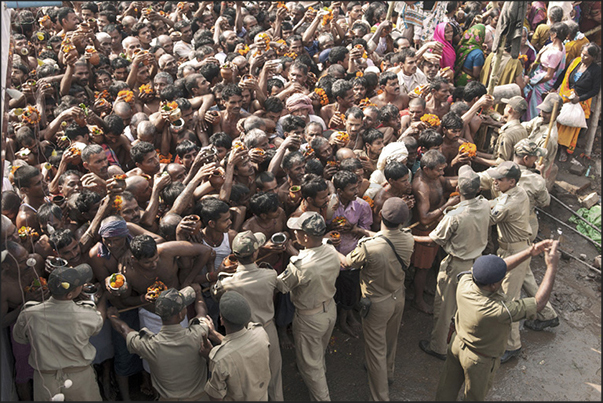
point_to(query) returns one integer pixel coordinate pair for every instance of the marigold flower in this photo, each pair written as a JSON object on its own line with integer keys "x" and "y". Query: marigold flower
{"x": 25, "y": 232}
{"x": 431, "y": 119}
{"x": 117, "y": 203}
{"x": 369, "y": 201}
{"x": 324, "y": 99}
{"x": 31, "y": 115}
{"x": 146, "y": 89}
{"x": 127, "y": 95}
{"x": 243, "y": 51}
{"x": 469, "y": 148}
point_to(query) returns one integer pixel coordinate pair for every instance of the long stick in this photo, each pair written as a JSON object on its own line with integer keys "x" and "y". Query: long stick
{"x": 551, "y": 123}
{"x": 568, "y": 226}
{"x": 572, "y": 210}
{"x": 133, "y": 307}
{"x": 574, "y": 257}
{"x": 390, "y": 10}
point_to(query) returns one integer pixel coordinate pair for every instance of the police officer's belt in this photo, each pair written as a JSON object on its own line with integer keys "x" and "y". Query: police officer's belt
{"x": 321, "y": 308}
{"x": 463, "y": 345}
{"x": 69, "y": 370}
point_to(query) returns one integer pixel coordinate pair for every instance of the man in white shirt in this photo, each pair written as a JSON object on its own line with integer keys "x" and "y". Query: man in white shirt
{"x": 410, "y": 77}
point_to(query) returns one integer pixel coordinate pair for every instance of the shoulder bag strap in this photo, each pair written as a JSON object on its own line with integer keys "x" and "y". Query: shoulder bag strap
{"x": 404, "y": 267}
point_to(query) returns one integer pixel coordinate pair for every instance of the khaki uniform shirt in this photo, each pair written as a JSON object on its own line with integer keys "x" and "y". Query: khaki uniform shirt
{"x": 463, "y": 230}
{"x": 509, "y": 135}
{"x": 310, "y": 276}
{"x": 381, "y": 272}
{"x": 177, "y": 369}
{"x": 537, "y": 131}
{"x": 257, "y": 285}
{"x": 483, "y": 319}
{"x": 60, "y": 331}
{"x": 239, "y": 366}
{"x": 511, "y": 214}
{"x": 535, "y": 186}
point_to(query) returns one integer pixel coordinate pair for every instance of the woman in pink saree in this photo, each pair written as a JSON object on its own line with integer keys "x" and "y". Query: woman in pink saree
{"x": 444, "y": 34}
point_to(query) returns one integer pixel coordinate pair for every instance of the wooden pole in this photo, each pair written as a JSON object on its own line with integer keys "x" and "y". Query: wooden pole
{"x": 390, "y": 10}
{"x": 593, "y": 122}
{"x": 551, "y": 123}
{"x": 494, "y": 73}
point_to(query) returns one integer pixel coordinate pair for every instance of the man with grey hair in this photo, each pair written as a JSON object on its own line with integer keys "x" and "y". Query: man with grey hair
{"x": 168, "y": 64}
{"x": 131, "y": 130}
{"x": 129, "y": 44}
{"x": 256, "y": 138}
{"x": 254, "y": 122}
{"x": 146, "y": 132}
{"x": 166, "y": 43}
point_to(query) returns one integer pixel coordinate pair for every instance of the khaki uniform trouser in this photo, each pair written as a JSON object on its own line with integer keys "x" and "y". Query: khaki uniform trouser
{"x": 463, "y": 365}
{"x": 381, "y": 327}
{"x": 444, "y": 303}
{"x": 311, "y": 336}
{"x": 530, "y": 286}
{"x": 513, "y": 282}
{"x": 275, "y": 387}
{"x": 84, "y": 387}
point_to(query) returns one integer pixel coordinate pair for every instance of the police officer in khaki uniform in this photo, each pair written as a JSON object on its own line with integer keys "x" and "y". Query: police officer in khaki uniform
{"x": 526, "y": 154}
{"x": 463, "y": 233}
{"x": 510, "y": 213}
{"x": 59, "y": 332}
{"x": 239, "y": 366}
{"x": 178, "y": 372}
{"x": 510, "y": 133}
{"x": 382, "y": 282}
{"x": 257, "y": 285}
{"x": 483, "y": 320}
{"x": 538, "y": 127}
{"x": 310, "y": 277}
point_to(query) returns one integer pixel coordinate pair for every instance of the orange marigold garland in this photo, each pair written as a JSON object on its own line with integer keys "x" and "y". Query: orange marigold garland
{"x": 36, "y": 284}
{"x": 127, "y": 95}
{"x": 359, "y": 73}
{"x": 156, "y": 289}
{"x": 146, "y": 89}
{"x": 342, "y": 136}
{"x": 292, "y": 55}
{"x": 469, "y": 148}
{"x": 523, "y": 58}
{"x": 327, "y": 17}
{"x": 324, "y": 99}
{"x": 25, "y": 232}
{"x": 281, "y": 4}
{"x": 243, "y": 51}
{"x": 419, "y": 90}
{"x": 117, "y": 202}
{"x": 431, "y": 119}
{"x": 369, "y": 201}
{"x": 365, "y": 103}
{"x": 31, "y": 115}
{"x": 264, "y": 36}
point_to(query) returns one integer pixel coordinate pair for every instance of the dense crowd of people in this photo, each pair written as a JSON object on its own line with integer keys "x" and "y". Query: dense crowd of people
{"x": 190, "y": 187}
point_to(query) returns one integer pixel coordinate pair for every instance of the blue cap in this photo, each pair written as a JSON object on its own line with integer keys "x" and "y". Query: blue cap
{"x": 324, "y": 55}
{"x": 489, "y": 269}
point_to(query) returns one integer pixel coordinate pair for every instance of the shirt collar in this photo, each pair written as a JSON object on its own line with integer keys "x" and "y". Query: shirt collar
{"x": 177, "y": 328}
{"x": 235, "y": 335}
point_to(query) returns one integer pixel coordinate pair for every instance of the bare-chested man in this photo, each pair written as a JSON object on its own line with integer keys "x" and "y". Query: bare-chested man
{"x": 226, "y": 120}
{"x": 428, "y": 187}
{"x": 390, "y": 85}
{"x": 17, "y": 274}
{"x": 411, "y": 125}
{"x": 33, "y": 189}
{"x": 398, "y": 185}
{"x": 343, "y": 92}
{"x": 440, "y": 91}
{"x": 452, "y": 128}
